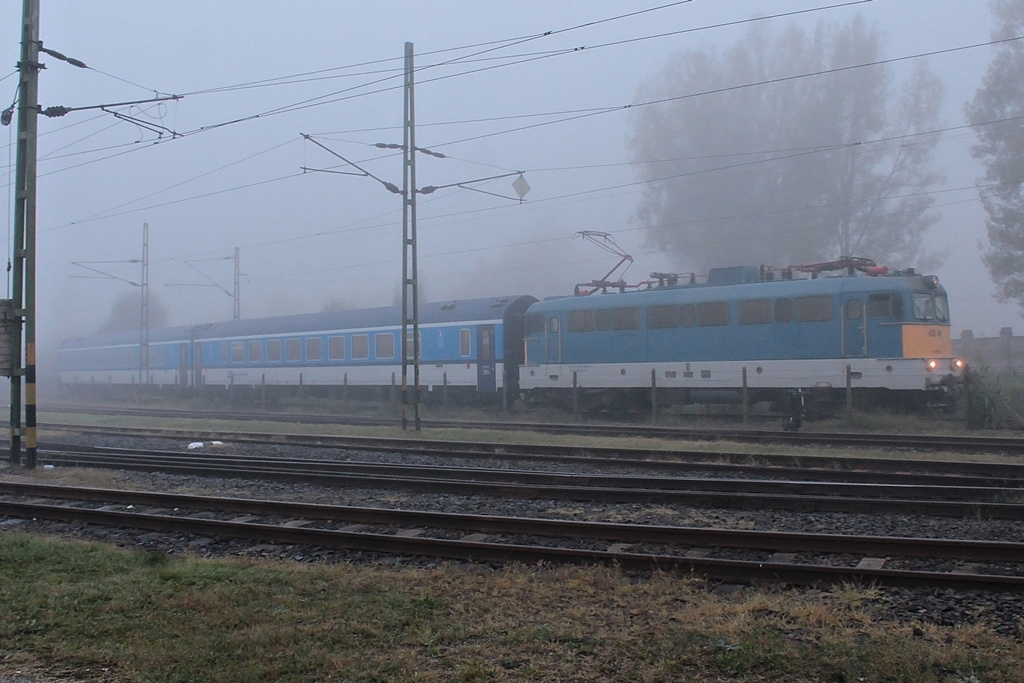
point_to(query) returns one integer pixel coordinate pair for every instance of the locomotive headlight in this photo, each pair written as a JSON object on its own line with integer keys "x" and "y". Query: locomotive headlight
{"x": 957, "y": 364}
{"x": 932, "y": 364}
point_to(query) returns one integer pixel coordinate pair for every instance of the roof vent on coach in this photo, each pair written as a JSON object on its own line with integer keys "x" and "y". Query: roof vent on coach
{"x": 500, "y": 302}
{"x": 448, "y": 306}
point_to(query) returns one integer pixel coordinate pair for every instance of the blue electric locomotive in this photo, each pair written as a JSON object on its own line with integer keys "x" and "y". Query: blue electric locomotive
{"x": 749, "y": 328}
{"x": 465, "y": 343}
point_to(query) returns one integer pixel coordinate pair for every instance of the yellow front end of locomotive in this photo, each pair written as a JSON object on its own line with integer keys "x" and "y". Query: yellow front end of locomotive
{"x": 927, "y": 341}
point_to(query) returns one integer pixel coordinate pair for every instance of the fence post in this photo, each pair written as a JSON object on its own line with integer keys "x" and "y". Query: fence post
{"x": 849, "y": 394}
{"x": 654, "y": 396}
{"x": 344, "y": 393}
{"x": 444, "y": 388}
{"x": 746, "y": 402}
{"x": 575, "y": 398}
{"x": 263, "y": 392}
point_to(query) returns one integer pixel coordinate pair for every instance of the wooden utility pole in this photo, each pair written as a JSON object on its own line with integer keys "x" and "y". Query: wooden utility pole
{"x": 23, "y": 266}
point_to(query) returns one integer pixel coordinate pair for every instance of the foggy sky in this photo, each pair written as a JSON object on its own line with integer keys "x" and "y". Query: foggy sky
{"x": 234, "y": 179}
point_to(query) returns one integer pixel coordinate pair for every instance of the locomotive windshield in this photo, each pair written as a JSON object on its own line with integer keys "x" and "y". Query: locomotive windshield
{"x": 941, "y": 308}
{"x": 928, "y": 306}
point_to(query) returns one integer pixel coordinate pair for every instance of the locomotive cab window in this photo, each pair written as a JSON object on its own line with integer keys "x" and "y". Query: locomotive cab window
{"x": 602, "y": 319}
{"x": 854, "y": 309}
{"x": 923, "y": 305}
{"x": 581, "y": 321}
{"x": 941, "y": 308}
{"x": 885, "y": 306}
{"x": 534, "y": 323}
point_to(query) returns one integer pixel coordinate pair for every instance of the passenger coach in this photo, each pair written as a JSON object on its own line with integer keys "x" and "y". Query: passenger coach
{"x": 463, "y": 343}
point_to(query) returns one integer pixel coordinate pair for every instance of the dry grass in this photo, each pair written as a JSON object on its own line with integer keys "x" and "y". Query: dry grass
{"x": 104, "y": 614}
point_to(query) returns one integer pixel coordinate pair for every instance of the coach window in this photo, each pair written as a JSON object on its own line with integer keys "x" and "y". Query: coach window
{"x": 662, "y": 317}
{"x": 360, "y": 346}
{"x": 626, "y": 318}
{"x": 581, "y": 321}
{"x": 809, "y": 309}
{"x": 464, "y": 343}
{"x": 293, "y": 349}
{"x": 336, "y": 348}
{"x": 274, "y": 350}
{"x": 384, "y": 345}
{"x": 687, "y": 315}
{"x": 602, "y": 319}
{"x": 237, "y": 352}
{"x": 713, "y": 313}
{"x": 314, "y": 348}
{"x": 755, "y": 312}
{"x": 224, "y": 352}
{"x": 783, "y": 310}
{"x": 255, "y": 351}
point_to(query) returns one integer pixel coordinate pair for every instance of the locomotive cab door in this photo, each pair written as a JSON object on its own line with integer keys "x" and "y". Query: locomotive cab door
{"x": 485, "y": 363}
{"x": 553, "y": 340}
{"x": 854, "y": 329}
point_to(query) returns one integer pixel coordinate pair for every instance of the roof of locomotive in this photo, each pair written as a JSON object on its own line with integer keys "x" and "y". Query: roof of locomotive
{"x": 453, "y": 311}
{"x": 711, "y": 291}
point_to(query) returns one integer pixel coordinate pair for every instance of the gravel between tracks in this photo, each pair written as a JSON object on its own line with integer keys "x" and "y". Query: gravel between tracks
{"x": 946, "y": 607}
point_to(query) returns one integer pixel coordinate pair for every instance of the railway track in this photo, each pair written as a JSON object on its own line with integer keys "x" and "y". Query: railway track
{"x": 761, "y": 488}
{"x": 820, "y": 467}
{"x": 768, "y": 556}
{"x": 933, "y": 442}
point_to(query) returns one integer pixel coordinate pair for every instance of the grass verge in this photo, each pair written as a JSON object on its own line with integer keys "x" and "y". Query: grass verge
{"x": 101, "y": 613}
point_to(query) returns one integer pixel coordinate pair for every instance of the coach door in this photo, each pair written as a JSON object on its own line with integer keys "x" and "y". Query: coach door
{"x": 485, "y": 365}
{"x": 183, "y": 365}
{"x": 854, "y": 324}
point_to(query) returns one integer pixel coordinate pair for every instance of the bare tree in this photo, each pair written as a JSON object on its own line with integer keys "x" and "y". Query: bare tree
{"x": 126, "y": 313}
{"x": 996, "y": 112}
{"x": 751, "y": 160}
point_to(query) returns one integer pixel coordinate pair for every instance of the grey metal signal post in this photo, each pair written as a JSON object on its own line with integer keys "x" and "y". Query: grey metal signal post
{"x": 410, "y": 294}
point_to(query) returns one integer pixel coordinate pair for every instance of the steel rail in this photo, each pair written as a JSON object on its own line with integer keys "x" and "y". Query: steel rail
{"x": 723, "y": 493}
{"x": 1007, "y": 471}
{"x": 901, "y": 489}
{"x": 944, "y": 442}
{"x": 478, "y": 550}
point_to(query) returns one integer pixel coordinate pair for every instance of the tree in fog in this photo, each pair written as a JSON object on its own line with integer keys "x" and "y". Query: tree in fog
{"x": 333, "y": 304}
{"x": 789, "y": 170}
{"x": 996, "y": 112}
{"x": 126, "y": 313}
